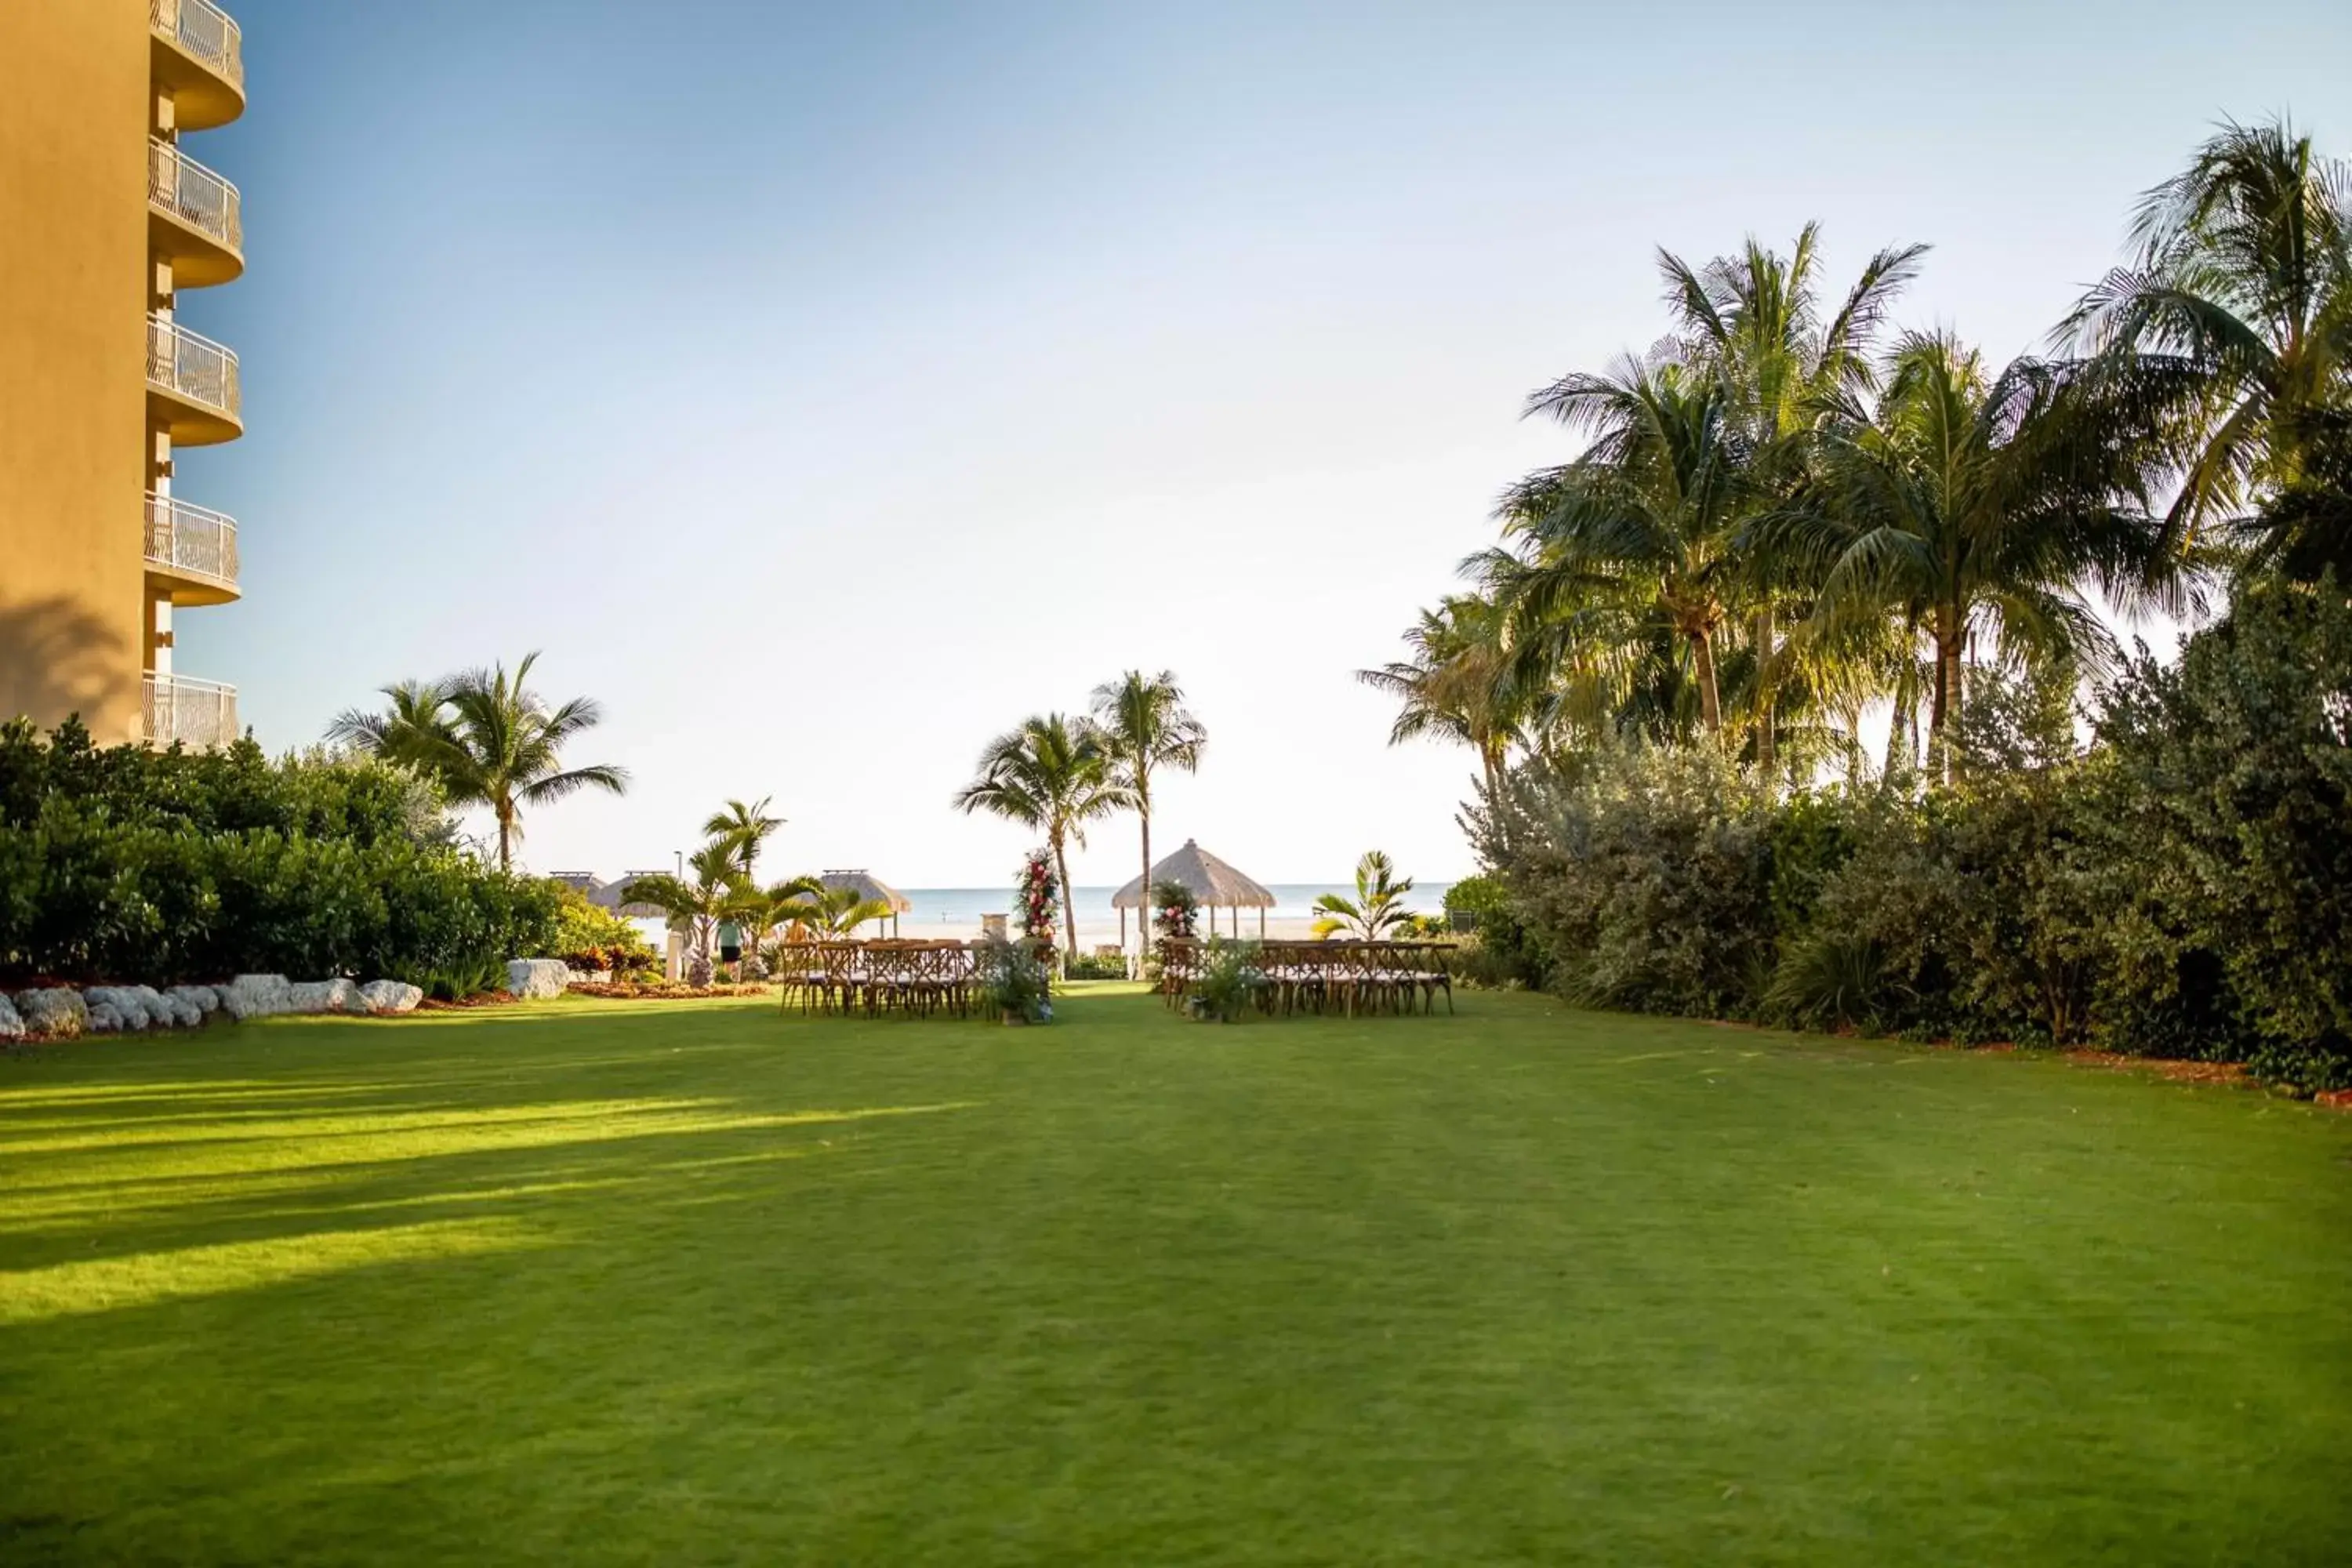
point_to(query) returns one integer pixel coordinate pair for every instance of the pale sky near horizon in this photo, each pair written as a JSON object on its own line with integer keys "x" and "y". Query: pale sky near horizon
{"x": 825, "y": 388}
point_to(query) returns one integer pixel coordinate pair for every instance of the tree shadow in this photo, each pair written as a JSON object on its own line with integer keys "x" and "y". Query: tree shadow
{"x": 56, "y": 659}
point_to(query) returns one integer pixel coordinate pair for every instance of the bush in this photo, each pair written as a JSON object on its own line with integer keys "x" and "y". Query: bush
{"x": 1097, "y": 966}
{"x": 2181, "y": 889}
{"x": 592, "y": 938}
{"x": 1229, "y": 982}
{"x": 128, "y": 864}
{"x": 1641, "y": 875}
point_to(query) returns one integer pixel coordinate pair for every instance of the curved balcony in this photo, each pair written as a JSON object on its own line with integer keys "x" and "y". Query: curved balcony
{"x": 197, "y": 55}
{"x": 195, "y": 219}
{"x": 192, "y": 385}
{"x": 200, "y": 714}
{"x": 193, "y": 548}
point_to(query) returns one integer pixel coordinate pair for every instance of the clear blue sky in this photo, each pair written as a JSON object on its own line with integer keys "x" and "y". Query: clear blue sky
{"x": 825, "y": 388}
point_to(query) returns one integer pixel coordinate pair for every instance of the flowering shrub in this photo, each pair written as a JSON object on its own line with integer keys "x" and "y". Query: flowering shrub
{"x": 1176, "y": 912}
{"x": 1039, "y": 897}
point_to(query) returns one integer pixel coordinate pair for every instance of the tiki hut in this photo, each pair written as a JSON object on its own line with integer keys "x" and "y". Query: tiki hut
{"x": 1217, "y": 885}
{"x": 870, "y": 887}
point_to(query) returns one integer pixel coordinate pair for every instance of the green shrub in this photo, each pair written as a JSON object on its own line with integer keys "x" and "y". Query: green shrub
{"x": 2180, "y": 890}
{"x": 129, "y": 865}
{"x": 591, "y": 937}
{"x": 1097, "y": 966}
{"x": 1229, "y": 982}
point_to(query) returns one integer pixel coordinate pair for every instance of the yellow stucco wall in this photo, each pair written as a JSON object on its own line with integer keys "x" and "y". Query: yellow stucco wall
{"x": 74, "y": 110}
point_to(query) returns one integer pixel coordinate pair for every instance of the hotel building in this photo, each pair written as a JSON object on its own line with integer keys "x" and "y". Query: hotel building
{"x": 108, "y": 221}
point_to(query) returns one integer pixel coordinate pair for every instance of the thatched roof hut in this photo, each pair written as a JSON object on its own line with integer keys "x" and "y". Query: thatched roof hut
{"x": 1215, "y": 884}
{"x": 870, "y": 886}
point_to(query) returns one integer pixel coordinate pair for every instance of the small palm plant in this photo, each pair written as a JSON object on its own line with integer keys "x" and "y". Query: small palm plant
{"x": 715, "y": 893}
{"x": 826, "y": 914}
{"x": 746, "y": 825}
{"x": 1378, "y": 909}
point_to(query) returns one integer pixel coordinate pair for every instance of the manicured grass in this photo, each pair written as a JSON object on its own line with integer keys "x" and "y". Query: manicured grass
{"x": 652, "y": 1282}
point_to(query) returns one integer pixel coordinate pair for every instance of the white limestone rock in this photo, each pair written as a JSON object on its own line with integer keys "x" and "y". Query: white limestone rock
{"x": 256, "y": 996}
{"x": 53, "y": 1011}
{"x": 389, "y": 996}
{"x": 336, "y": 995}
{"x": 11, "y": 1027}
{"x": 535, "y": 978}
{"x": 203, "y": 1001}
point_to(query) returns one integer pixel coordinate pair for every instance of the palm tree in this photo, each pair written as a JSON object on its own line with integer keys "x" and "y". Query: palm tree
{"x": 1052, "y": 775}
{"x": 746, "y": 827}
{"x": 487, "y": 740}
{"x": 1971, "y": 507}
{"x": 1142, "y": 725}
{"x": 714, "y": 893}
{"x": 2239, "y": 300}
{"x": 1377, "y": 909}
{"x": 822, "y": 911}
{"x": 1454, "y": 684}
{"x": 1754, "y": 320}
{"x": 415, "y": 723}
{"x": 1637, "y": 531}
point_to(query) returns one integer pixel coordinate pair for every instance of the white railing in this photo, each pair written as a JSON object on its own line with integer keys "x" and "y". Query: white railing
{"x": 185, "y": 189}
{"x": 197, "y": 713}
{"x": 204, "y": 31}
{"x": 191, "y": 538}
{"x": 191, "y": 367}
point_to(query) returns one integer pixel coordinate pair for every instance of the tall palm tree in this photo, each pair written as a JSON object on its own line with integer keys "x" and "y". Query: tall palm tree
{"x": 2239, "y": 297}
{"x": 1142, "y": 725}
{"x": 487, "y": 740}
{"x": 1637, "y": 530}
{"x": 1755, "y": 321}
{"x": 746, "y": 827}
{"x": 414, "y": 722}
{"x": 1453, "y": 684}
{"x": 1970, "y": 506}
{"x": 1052, "y": 774}
{"x": 696, "y": 905}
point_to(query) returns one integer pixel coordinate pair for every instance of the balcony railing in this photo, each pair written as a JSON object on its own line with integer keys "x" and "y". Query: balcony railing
{"x": 191, "y": 540}
{"x": 192, "y": 367}
{"x": 179, "y": 185}
{"x": 203, "y": 31}
{"x": 197, "y": 713}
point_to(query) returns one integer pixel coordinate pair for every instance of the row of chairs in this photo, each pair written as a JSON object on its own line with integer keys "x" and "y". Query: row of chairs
{"x": 1338, "y": 976}
{"x": 883, "y": 976}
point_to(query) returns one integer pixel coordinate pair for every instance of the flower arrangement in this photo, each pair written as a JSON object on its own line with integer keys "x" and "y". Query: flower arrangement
{"x": 1039, "y": 896}
{"x": 1175, "y": 911}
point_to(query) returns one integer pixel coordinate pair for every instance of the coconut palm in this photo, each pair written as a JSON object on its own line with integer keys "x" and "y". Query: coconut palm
{"x": 1053, "y": 774}
{"x": 1377, "y": 909}
{"x": 746, "y": 827}
{"x": 2239, "y": 298}
{"x": 695, "y": 904}
{"x": 1142, "y": 726}
{"x": 1453, "y": 683}
{"x": 1978, "y": 508}
{"x": 1637, "y": 533}
{"x": 1755, "y": 321}
{"x": 487, "y": 740}
{"x": 415, "y": 723}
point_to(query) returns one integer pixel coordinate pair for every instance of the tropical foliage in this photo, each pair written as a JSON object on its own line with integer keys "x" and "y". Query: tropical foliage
{"x": 1053, "y": 773}
{"x": 126, "y": 865}
{"x": 1377, "y": 910}
{"x": 486, "y": 740}
{"x": 1143, "y": 727}
{"x": 1790, "y": 522}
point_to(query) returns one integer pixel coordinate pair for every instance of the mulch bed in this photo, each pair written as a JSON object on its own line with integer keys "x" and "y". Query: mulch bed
{"x": 628, "y": 993}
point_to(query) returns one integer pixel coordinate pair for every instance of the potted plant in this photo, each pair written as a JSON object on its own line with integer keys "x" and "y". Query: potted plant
{"x": 1016, "y": 984}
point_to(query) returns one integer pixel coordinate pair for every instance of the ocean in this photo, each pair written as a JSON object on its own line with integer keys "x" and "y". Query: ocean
{"x": 1097, "y": 921}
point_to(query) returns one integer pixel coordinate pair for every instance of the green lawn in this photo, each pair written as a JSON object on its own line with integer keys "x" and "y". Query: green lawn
{"x": 670, "y": 1283}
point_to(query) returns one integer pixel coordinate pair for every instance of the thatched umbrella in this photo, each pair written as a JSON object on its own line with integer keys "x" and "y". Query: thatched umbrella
{"x": 1215, "y": 884}
{"x": 872, "y": 889}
